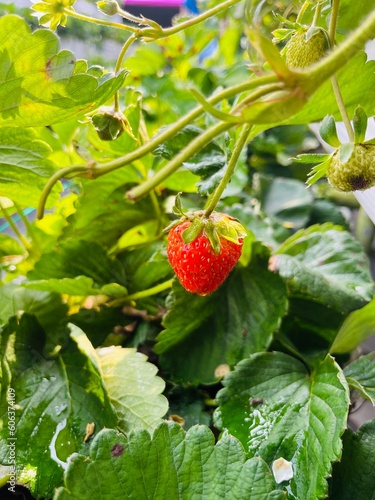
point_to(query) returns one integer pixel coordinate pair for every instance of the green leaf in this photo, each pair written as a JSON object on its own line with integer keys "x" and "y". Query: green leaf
{"x": 277, "y": 409}
{"x": 325, "y": 264}
{"x": 171, "y": 464}
{"x": 25, "y": 167}
{"x": 318, "y": 171}
{"x": 202, "y": 333}
{"x": 287, "y": 200}
{"x": 38, "y": 84}
{"x": 103, "y": 214}
{"x": 133, "y": 387}
{"x": 47, "y": 307}
{"x": 357, "y": 327}
{"x": 56, "y": 397}
{"x": 328, "y": 131}
{"x": 353, "y": 477}
{"x": 208, "y": 163}
{"x": 360, "y": 375}
{"x": 78, "y": 268}
{"x": 9, "y": 247}
{"x": 359, "y": 124}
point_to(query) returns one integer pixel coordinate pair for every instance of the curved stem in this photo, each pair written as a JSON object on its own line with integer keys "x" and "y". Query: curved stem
{"x": 103, "y": 22}
{"x": 52, "y": 181}
{"x": 179, "y": 125}
{"x": 15, "y": 229}
{"x": 318, "y": 10}
{"x": 119, "y": 61}
{"x": 194, "y": 20}
{"x": 215, "y": 197}
{"x": 302, "y": 11}
{"x": 334, "y": 80}
{"x": 196, "y": 145}
{"x": 142, "y": 294}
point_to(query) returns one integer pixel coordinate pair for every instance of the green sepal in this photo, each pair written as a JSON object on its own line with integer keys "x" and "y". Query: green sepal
{"x": 193, "y": 231}
{"x": 212, "y": 235}
{"x": 310, "y": 158}
{"x": 287, "y": 22}
{"x": 328, "y": 132}
{"x": 282, "y": 34}
{"x": 269, "y": 51}
{"x": 177, "y": 207}
{"x": 110, "y": 124}
{"x": 318, "y": 172}
{"x": 230, "y": 229}
{"x": 345, "y": 152}
{"x": 359, "y": 124}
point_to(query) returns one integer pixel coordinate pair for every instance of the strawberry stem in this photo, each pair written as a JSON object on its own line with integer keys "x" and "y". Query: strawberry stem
{"x": 142, "y": 294}
{"x": 216, "y": 195}
{"x": 334, "y": 80}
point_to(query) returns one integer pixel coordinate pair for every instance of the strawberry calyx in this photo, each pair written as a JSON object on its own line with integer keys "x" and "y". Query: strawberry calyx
{"x": 215, "y": 226}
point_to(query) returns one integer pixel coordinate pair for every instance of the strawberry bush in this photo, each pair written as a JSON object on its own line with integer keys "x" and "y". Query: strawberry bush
{"x": 226, "y": 149}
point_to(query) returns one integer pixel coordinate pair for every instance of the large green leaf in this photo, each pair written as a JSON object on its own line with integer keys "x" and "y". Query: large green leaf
{"x": 170, "y": 465}
{"x": 56, "y": 397}
{"x": 47, "y": 307}
{"x": 360, "y": 375}
{"x": 24, "y": 167}
{"x": 133, "y": 387}
{"x": 357, "y": 327}
{"x": 325, "y": 264}
{"x": 102, "y": 211}
{"x": 277, "y": 409}
{"x": 354, "y": 477}
{"x": 78, "y": 268}
{"x": 224, "y": 327}
{"x": 39, "y": 85}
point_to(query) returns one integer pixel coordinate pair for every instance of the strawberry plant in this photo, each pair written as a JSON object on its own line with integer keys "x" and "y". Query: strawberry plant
{"x": 185, "y": 282}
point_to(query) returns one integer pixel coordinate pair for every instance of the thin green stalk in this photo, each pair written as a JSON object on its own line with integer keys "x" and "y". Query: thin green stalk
{"x": 302, "y": 11}
{"x": 194, "y": 20}
{"x": 334, "y": 81}
{"x": 142, "y": 294}
{"x": 15, "y": 229}
{"x": 196, "y": 145}
{"x": 318, "y": 10}
{"x": 99, "y": 170}
{"x": 215, "y": 197}
{"x": 26, "y": 222}
{"x": 179, "y": 125}
{"x": 119, "y": 61}
{"x": 60, "y": 174}
{"x": 103, "y": 22}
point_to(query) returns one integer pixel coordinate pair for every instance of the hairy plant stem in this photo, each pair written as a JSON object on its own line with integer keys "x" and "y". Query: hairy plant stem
{"x": 95, "y": 171}
{"x": 119, "y": 61}
{"x": 103, "y": 22}
{"x": 194, "y": 20}
{"x": 216, "y": 195}
{"x": 142, "y": 294}
{"x": 60, "y": 174}
{"x": 15, "y": 229}
{"x": 302, "y": 11}
{"x": 196, "y": 145}
{"x": 334, "y": 80}
{"x": 25, "y": 220}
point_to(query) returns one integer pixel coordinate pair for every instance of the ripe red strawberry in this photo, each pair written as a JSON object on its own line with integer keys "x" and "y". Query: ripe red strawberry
{"x": 213, "y": 248}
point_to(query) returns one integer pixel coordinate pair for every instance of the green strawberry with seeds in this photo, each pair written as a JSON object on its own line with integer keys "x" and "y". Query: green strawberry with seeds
{"x": 352, "y": 167}
{"x": 306, "y": 47}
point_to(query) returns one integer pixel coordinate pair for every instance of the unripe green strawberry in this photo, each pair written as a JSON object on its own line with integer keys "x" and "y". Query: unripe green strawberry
{"x": 357, "y": 172}
{"x": 304, "y": 49}
{"x": 203, "y": 251}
